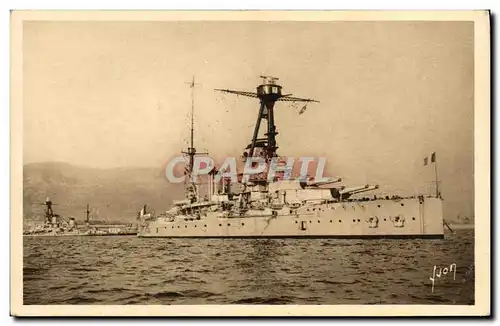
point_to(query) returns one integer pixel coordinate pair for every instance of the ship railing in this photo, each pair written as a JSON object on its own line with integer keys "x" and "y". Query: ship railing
{"x": 386, "y": 197}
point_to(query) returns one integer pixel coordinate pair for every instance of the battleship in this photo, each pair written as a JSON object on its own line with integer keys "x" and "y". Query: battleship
{"x": 260, "y": 206}
{"x": 55, "y": 225}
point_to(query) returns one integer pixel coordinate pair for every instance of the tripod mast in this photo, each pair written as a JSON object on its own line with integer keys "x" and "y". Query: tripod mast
{"x": 268, "y": 93}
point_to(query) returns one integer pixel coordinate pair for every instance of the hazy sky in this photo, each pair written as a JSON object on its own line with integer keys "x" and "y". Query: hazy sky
{"x": 108, "y": 94}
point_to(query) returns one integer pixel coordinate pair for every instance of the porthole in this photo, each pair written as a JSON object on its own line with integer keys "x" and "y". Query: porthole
{"x": 242, "y": 223}
{"x": 296, "y": 222}
{"x": 205, "y": 225}
{"x": 330, "y": 221}
{"x": 185, "y": 226}
{"x": 178, "y": 226}
{"x": 172, "y": 226}
{"x": 291, "y": 212}
{"x": 195, "y": 225}
{"x": 354, "y": 220}
{"x": 228, "y": 224}
{"x": 413, "y": 218}
{"x": 358, "y": 220}
{"x": 340, "y": 221}
{"x": 378, "y": 205}
{"x": 402, "y": 204}
{"x": 220, "y": 224}
{"x": 319, "y": 221}
{"x": 310, "y": 221}
{"x": 308, "y": 209}
{"x": 385, "y": 219}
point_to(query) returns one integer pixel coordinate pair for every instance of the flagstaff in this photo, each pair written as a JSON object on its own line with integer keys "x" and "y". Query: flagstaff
{"x": 434, "y": 160}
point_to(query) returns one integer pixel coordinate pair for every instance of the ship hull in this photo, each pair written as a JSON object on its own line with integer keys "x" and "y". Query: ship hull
{"x": 80, "y": 235}
{"x": 54, "y": 235}
{"x": 402, "y": 218}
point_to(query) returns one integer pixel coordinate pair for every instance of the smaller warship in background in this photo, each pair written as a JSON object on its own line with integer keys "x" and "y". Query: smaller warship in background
{"x": 57, "y": 225}
{"x": 292, "y": 208}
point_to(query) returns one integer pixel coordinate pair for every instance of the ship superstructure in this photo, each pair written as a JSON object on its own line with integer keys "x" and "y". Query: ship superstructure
{"x": 260, "y": 205}
{"x": 54, "y": 224}
{"x": 57, "y": 225}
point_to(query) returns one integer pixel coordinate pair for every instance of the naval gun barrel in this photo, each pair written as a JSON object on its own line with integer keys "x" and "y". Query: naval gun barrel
{"x": 328, "y": 181}
{"x": 357, "y": 190}
{"x": 353, "y": 189}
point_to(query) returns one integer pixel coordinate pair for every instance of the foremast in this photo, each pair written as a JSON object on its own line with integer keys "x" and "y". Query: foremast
{"x": 191, "y": 191}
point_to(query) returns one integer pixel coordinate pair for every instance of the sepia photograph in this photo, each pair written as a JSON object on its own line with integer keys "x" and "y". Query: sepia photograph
{"x": 258, "y": 163}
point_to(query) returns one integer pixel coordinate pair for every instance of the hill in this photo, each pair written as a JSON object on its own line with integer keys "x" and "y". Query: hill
{"x": 113, "y": 194}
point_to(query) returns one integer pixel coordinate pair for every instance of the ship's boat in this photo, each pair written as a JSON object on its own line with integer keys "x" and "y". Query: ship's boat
{"x": 290, "y": 207}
